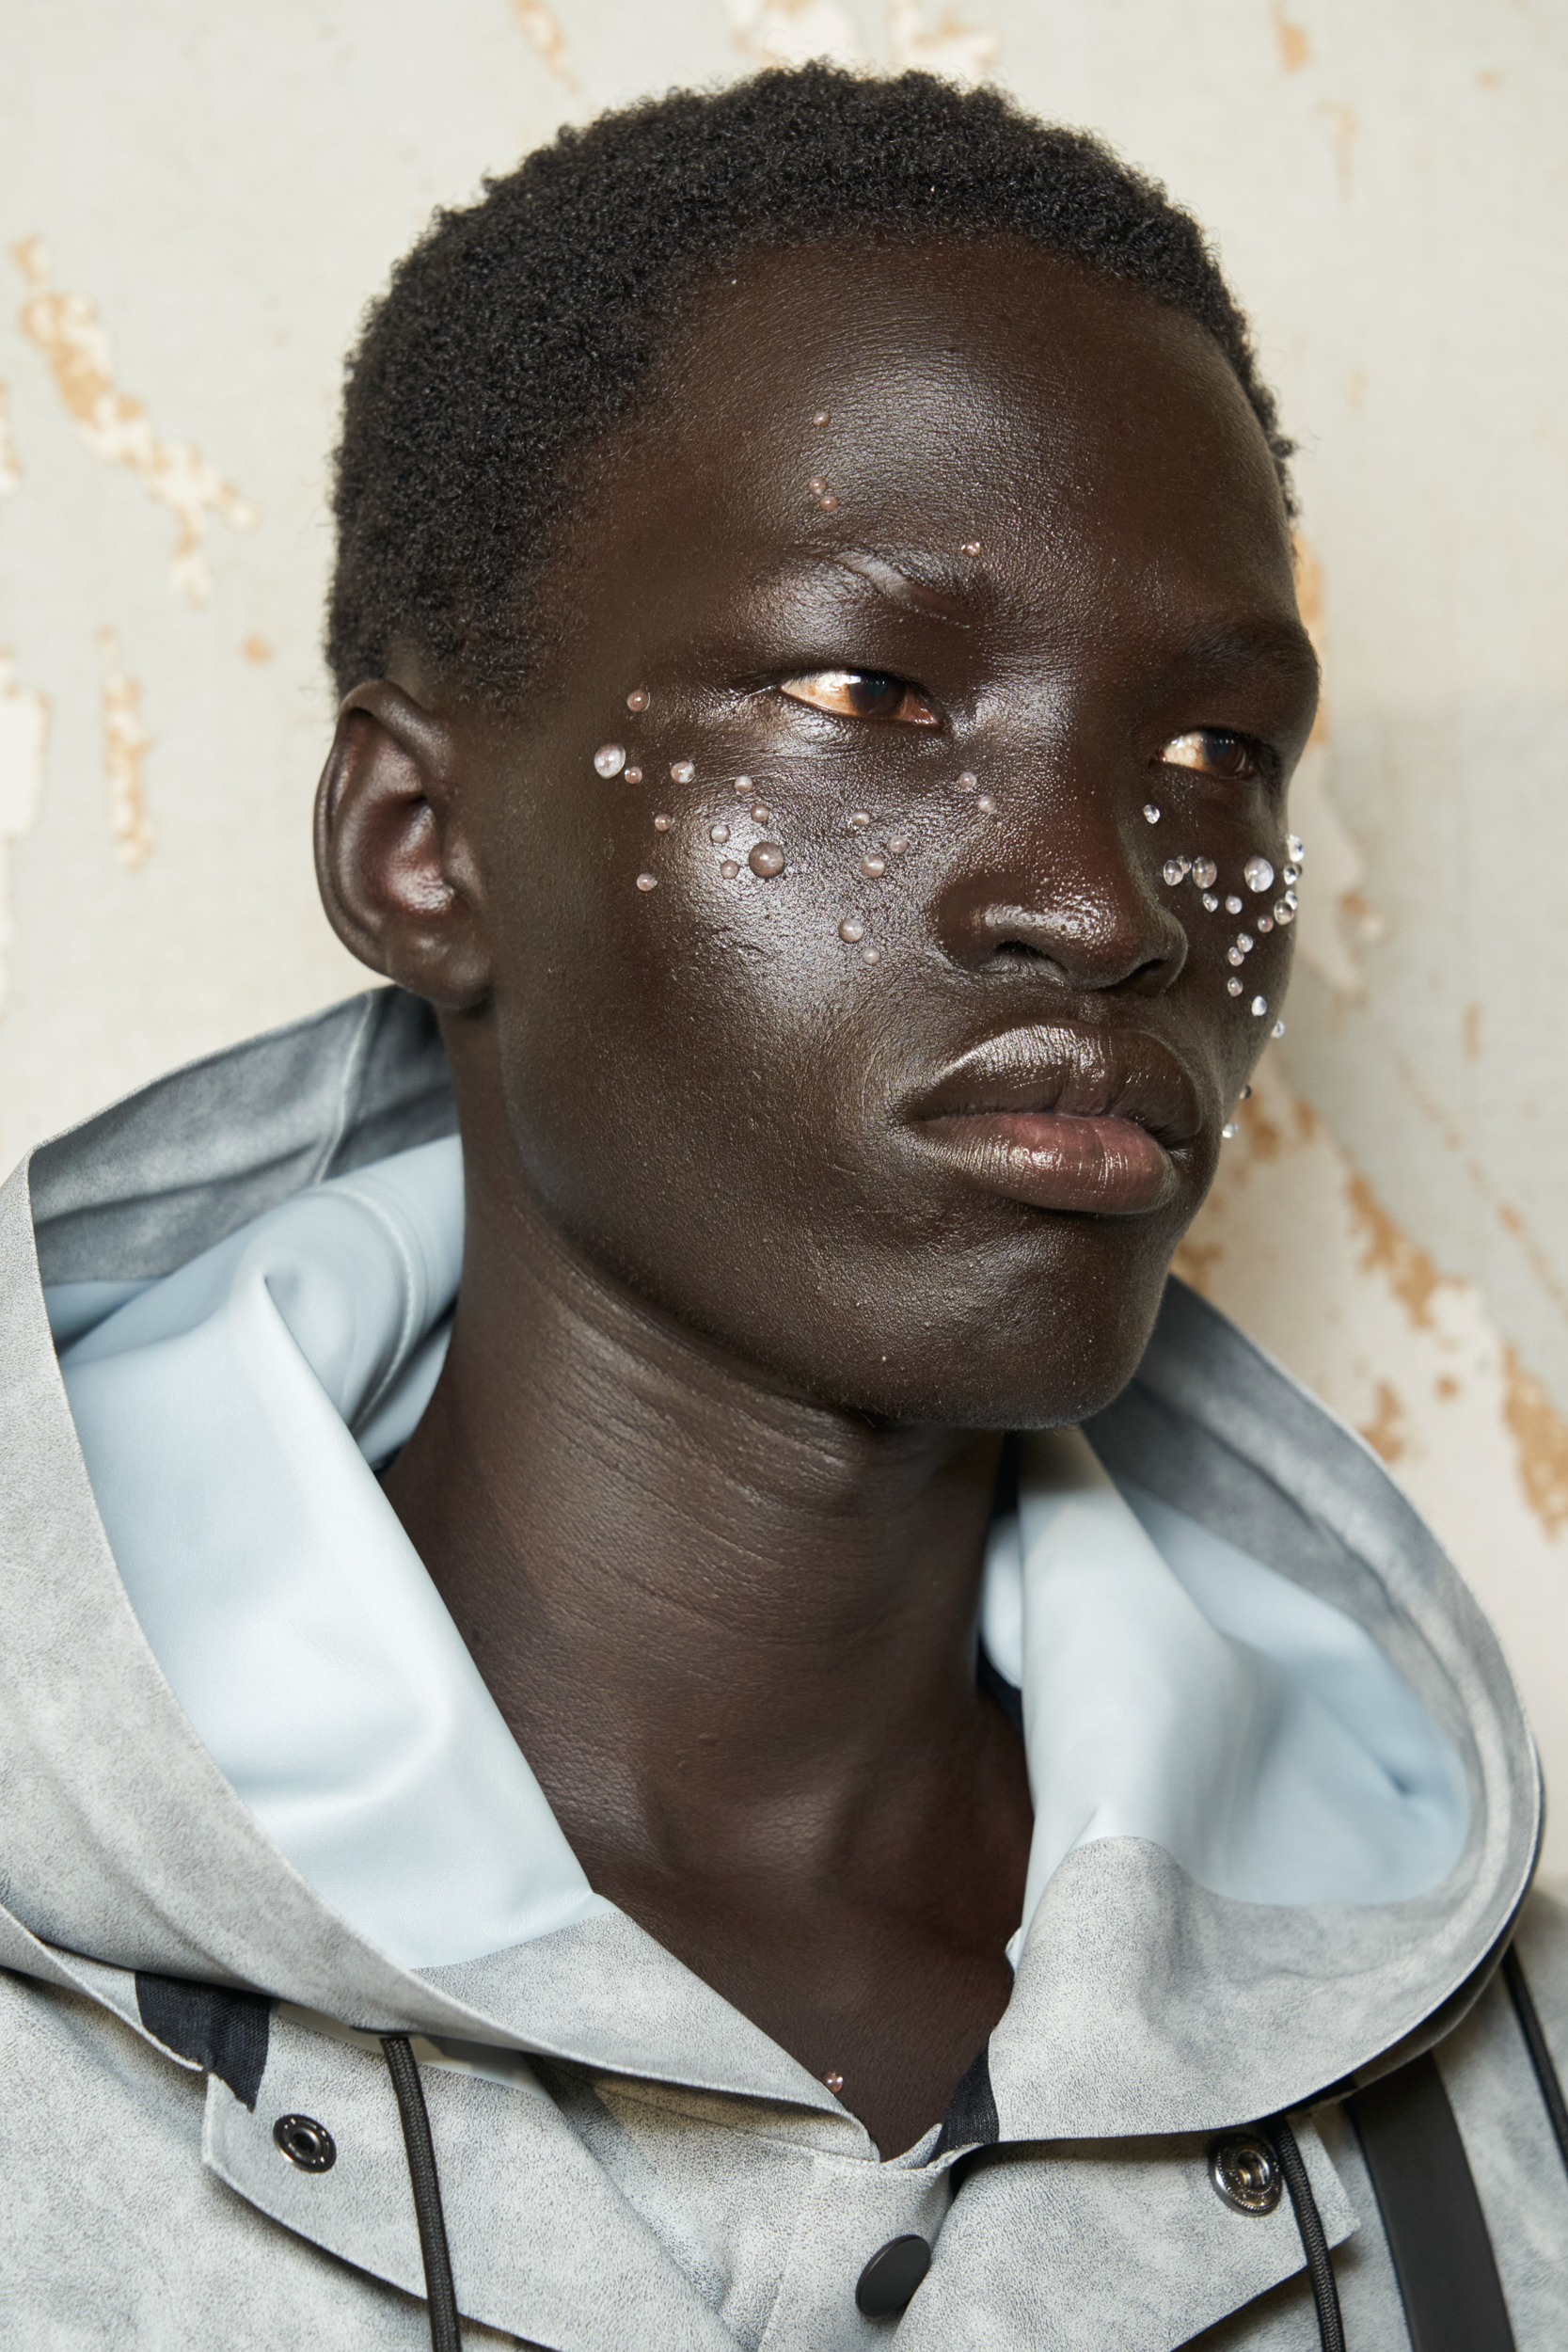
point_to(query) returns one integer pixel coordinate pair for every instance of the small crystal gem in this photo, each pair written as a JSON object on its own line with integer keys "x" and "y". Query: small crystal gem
{"x": 1205, "y": 872}
{"x": 1258, "y": 874}
{"x": 1233, "y": 986}
{"x": 1260, "y": 1007}
{"x": 681, "y": 772}
{"x": 1151, "y": 815}
{"x": 610, "y": 759}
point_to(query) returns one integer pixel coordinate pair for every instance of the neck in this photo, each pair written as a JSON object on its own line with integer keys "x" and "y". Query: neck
{"x": 702, "y": 1603}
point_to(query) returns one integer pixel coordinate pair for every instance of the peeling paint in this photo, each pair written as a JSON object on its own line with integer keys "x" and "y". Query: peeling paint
{"x": 24, "y": 738}
{"x": 117, "y": 428}
{"x": 1346, "y": 125}
{"x": 1336, "y": 920}
{"x": 548, "y": 34}
{"x": 10, "y": 470}
{"x": 1295, "y": 50}
{"x": 961, "y": 52}
{"x": 1541, "y": 1435}
{"x": 126, "y": 744}
{"x": 791, "y": 32}
{"x": 1384, "y": 1250}
{"x": 1385, "y": 1432}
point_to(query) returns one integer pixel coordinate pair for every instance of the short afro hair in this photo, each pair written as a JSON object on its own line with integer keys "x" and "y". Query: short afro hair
{"x": 523, "y": 329}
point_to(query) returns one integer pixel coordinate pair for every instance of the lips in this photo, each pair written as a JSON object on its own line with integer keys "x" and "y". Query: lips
{"x": 1065, "y": 1117}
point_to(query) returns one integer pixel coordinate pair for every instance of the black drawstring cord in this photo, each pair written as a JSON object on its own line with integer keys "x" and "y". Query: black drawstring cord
{"x": 1535, "y": 2043}
{"x": 1314, "y": 2244}
{"x": 440, "y": 2296}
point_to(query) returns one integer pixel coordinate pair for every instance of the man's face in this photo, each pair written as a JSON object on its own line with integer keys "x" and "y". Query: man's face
{"x": 850, "y": 1017}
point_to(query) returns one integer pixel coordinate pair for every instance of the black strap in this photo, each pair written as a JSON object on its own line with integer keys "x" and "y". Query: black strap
{"x": 1540, "y": 2055}
{"x": 440, "y": 2295}
{"x": 1314, "y": 2238}
{"x": 1432, "y": 2217}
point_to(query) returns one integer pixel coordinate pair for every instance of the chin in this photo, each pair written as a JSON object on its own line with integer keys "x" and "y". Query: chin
{"x": 1027, "y": 1366}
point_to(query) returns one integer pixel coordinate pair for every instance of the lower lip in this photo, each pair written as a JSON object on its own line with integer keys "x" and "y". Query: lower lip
{"x": 1052, "y": 1160}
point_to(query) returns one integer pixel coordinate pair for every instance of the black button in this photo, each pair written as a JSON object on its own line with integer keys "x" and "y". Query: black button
{"x": 305, "y": 2142}
{"x": 1245, "y": 2171}
{"x": 891, "y": 2276}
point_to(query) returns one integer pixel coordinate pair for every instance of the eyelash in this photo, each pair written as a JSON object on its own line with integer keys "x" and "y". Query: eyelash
{"x": 1261, "y": 759}
{"x": 888, "y": 680}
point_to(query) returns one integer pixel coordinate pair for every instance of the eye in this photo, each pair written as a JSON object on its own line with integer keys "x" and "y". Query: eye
{"x": 1214, "y": 751}
{"x": 860, "y": 694}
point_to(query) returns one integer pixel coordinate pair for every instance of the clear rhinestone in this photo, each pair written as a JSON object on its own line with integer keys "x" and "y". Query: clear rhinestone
{"x": 1244, "y": 941}
{"x": 1285, "y": 909}
{"x": 1177, "y": 869}
{"x": 1151, "y": 815}
{"x": 681, "y": 772}
{"x": 1233, "y": 986}
{"x": 1290, "y": 876}
{"x": 609, "y": 758}
{"x": 1294, "y": 848}
{"x": 1232, "y": 904}
{"x": 1229, "y": 1129}
{"x": 1205, "y": 872}
{"x": 1210, "y": 901}
{"x": 1278, "y": 1029}
{"x": 1234, "y": 955}
{"x": 1260, "y": 1007}
{"x": 1258, "y": 874}
{"x": 1265, "y": 922}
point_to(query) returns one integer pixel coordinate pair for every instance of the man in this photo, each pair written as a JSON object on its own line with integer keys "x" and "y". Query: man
{"x": 820, "y": 680}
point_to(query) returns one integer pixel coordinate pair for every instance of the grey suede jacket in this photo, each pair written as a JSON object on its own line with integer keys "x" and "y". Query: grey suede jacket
{"x": 204, "y": 2139}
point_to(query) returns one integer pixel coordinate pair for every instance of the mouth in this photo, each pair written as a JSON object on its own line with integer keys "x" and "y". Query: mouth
{"x": 1062, "y": 1116}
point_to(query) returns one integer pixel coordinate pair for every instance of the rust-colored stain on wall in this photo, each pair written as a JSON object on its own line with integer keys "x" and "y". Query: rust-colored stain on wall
{"x": 1541, "y": 1436}
{"x": 548, "y": 34}
{"x": 66, "y": 329}
{"x": 126, "y": 744}
{"x": 10, "y": 470}
{"x": 1385, "y": 1432}
{"x": 1295, "y": 50}
{"x": 1409, "y": 1272}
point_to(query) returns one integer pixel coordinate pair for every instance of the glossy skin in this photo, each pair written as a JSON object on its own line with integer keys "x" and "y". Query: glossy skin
{"x": 753, "y": 1276}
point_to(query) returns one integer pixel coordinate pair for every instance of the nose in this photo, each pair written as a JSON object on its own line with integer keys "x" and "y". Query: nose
{"x": 1068, "y": 881}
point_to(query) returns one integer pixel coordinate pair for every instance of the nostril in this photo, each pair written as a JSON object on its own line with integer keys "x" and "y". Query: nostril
{"x": 1017, "y": 948}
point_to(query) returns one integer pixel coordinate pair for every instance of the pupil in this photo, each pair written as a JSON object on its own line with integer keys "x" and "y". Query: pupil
{"x": 871, "y": 691}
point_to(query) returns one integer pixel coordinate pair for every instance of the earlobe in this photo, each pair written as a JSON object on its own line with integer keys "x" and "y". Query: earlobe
{"x": 397, "y": 877}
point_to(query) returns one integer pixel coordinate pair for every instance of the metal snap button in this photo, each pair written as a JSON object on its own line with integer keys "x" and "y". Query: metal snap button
{"x": 1245, "y": 2172}
{"x": 305, "y": 2142}
{"x": 888, "y": 2282}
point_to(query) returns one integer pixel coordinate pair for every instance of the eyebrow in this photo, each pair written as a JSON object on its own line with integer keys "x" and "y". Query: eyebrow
{"x": 912, "y": 584}
{"x": 1274, "y": 638}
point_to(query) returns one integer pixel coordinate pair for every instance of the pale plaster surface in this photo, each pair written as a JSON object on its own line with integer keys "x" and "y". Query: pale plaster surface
{"x": 195, "y": 205}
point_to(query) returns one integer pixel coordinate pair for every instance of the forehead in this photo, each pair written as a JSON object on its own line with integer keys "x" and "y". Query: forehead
{"x": 945, "y": 391}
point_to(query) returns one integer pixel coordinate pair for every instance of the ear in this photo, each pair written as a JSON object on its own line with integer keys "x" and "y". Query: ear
{"x": 397, "y": 874}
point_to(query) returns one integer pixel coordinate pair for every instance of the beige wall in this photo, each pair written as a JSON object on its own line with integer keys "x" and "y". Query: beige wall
{"x": 196, "y": 202}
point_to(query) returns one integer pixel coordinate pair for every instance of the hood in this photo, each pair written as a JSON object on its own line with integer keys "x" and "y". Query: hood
{"x": 1286, "y": 1804}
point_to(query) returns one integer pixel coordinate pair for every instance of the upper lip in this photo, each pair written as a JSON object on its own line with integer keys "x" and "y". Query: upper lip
{"x": 1071, "y": 1068}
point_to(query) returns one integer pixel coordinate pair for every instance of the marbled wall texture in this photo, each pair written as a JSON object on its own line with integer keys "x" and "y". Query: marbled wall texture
{"x": 195, "y": 203}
